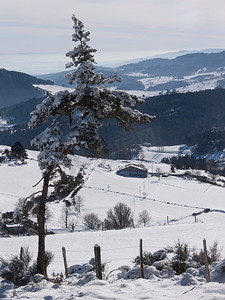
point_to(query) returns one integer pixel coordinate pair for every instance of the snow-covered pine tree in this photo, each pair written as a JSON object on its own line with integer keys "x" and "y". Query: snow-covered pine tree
{"x": 18, "y": 151}
{"x": 93, "y": 102}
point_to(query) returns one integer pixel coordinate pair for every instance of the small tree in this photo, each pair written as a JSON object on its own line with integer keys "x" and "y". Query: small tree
{"x": 92, "y": 221}
{"x": 93, "y": 102}
{"x": 144, "y": 217}
{"x": 79, "y": 202}
{"x": 18, "y": 151}
{"x": 118, "y": 217}
{"x": 65, "y": 214}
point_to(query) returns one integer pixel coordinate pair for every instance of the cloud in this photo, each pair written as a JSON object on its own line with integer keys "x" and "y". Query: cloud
{"x": 143, "y": 25}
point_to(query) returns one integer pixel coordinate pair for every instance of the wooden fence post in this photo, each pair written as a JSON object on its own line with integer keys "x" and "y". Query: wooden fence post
{"x": 141, "y": 260}
{"x": 167, "y": 220}
{"x": 65, "y": 261}
{"x": 21, "y": 253}
{"x": 97, "y": 251}
{"x": 206, "y": 262}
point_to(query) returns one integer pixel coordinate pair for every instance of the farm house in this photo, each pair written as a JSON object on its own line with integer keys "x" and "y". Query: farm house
{"x": 133, "y": 171}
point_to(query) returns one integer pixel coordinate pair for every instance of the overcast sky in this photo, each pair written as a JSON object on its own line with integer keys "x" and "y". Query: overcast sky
{"x": 120, "y": 29}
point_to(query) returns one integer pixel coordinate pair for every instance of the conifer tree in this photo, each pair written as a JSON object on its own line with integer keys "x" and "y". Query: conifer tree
{"x": 18, "y": 151}
{"x": 93, "y": 102}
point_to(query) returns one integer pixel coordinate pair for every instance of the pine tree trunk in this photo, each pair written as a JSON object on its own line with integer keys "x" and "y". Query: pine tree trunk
{"x": 41, "y": 264}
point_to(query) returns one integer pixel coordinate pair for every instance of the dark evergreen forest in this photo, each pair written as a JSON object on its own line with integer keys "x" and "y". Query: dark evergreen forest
{"x": 180, "y": 118}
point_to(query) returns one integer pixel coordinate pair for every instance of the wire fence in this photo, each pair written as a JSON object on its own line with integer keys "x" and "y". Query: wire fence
{"x": 108, "y": 254}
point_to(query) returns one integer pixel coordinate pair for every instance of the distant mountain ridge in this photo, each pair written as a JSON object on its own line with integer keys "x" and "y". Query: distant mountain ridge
{"x": 182, "y": 65}
{"x": 16, "y": 87}
{"x": 189, "y": 72}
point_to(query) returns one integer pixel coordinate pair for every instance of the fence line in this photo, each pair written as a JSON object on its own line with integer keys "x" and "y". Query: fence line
{"x": 112, "y": 249}
{"x": 145, "y": 198}
{"x": 98, "y": 262}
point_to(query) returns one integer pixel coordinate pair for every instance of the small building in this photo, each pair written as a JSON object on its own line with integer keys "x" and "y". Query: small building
{"x": 133, "y": 171}
{"x": 12, "y": 229}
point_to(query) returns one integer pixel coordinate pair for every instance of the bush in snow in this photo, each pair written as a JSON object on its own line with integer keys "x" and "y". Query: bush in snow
{"x": 147, "y": 259}
{"x": 181, "y": 249}
{"x": 118, "y": 217}
{"x": 18, "y": 269}
{"x": 213, "y": 255}
{"x": 92, "y": 221}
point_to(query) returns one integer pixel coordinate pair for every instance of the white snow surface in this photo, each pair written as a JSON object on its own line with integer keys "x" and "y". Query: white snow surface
{"x": 173, "y": 197}
{"x": 199, "y": 81}
{"x": 52, "y": 88}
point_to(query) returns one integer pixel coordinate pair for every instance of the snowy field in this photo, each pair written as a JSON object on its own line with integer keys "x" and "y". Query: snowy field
{"x": 169, "y": 197}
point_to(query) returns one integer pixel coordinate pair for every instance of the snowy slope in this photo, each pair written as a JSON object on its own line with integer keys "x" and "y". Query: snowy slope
{"x": 157, "y": 85}
{"x": 171, "y": 196}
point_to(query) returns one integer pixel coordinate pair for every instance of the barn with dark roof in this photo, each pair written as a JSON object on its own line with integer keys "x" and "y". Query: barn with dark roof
{"x": 133, "y": 171}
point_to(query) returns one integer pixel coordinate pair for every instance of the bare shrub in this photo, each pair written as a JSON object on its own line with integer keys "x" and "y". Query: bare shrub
{"x": 65, "y": 215}
{"x": 79, "y": 203}
{"x": 118, "y": 217}
{"x": 73, "y": 224}
{"x": 92, "y": 221}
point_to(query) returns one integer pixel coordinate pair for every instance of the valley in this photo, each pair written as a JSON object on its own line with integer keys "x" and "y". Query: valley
{"x": 173, "y": 197}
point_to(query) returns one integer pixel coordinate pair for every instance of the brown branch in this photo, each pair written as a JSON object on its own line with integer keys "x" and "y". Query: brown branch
{"x": 38, "y": 182}
{"x": 32, "y": 195}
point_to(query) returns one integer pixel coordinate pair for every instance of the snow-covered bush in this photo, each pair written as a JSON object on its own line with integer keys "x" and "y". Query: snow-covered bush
{"x": 147, "y": 259}
{"x": 18, "y": 269}
{"x": 181, "y": 249}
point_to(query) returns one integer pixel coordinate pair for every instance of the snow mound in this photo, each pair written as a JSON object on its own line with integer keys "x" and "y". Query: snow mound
{"x": 218, "y": 273}
{"x": 188, "y": 279}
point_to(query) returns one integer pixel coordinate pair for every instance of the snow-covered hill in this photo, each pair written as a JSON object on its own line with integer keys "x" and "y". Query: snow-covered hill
{"x": 159, "y": 85}
{"x": 174, "y": 197}
{"x": 191, "y": 72}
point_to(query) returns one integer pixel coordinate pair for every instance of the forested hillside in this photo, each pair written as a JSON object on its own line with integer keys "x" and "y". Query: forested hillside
{"x": 177, "y": 116}
{"x": 16, "y": 87}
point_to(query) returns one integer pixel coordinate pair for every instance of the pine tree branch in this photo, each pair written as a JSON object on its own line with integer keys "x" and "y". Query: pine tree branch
{"x": 38, "y": 182}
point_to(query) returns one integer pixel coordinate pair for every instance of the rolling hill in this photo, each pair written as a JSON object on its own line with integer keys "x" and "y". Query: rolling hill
{"x": 16, "y": 87}
{"x": 189, "y": 72}
{"x": 178, "y": 115}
